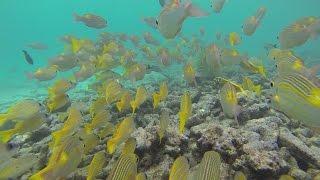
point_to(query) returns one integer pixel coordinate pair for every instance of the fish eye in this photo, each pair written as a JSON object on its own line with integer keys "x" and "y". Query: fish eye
{"x": 157, "y": 22}
{"x": 272, "y": 84}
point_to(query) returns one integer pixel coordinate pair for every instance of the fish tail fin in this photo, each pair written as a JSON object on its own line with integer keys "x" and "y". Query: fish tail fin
{"x": 3, "y": 119}
{"x": 5, "y": 136}
{"x": 194, "y": 11}
{"x": 76, "y": 17}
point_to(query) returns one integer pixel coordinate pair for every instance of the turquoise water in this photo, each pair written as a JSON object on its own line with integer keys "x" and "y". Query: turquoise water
{"x": 46, "y": 21}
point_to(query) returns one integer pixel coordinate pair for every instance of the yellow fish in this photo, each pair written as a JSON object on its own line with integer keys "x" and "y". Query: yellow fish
{"x": 60, "y": 87}
{"x": 69, "y": 126}
{"x": 234, "y": 39}
{"x": 229, "y": 102}
{"x": 21, "y": 127}
{"x": 298, "y": 97}
{"x": 96, "y": 165}
{"x": 111, "y": 48}
{"x": 63, "y": 161}
{"x": 248, "y": 84}
{"x": 124, "y": 102}
{"x": 98, "y": 120}
{"x": 141, "y": 97}
{"x": 129, "y": 146}
{"x": 164, "y": 123}
{"x": 254, "y": 67}
{"x": 97, "y": 106}
{"x": 185, "y": 111}
{"x": 179, "y": 169}
{"x": 58, "y": 102}
{"x": 23, "y": 110}
{"x": 113, "y": 91}
{"x": 161, "y": 96}
{"x": 125, "y": 168}
{"x": 190, "y": 74}
{"x": 121, "y": 134}
{"x": 44, "y": 74}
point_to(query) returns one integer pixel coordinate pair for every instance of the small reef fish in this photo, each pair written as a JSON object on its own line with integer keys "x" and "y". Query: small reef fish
{"x": 189, "y": 74}
{"x": 135, "y": 72}
{"x": 97, "y": 106}
{"x": 217, "y": 5}
{"x": 113, "y": 91}
{"x": 91, "y": 20}
{"x": 44, "y": 74}
{"x": 212, "y": 60}
{"x": 125, "y": 168}
{"x": 141, "y": 97}
{"x": 37, "y": 46}
{"x": 209, "y": 167}
{"x": 58, "y": 102}
{"x": 185, "y": 111}
{"x": 179, "y": 169}
{"x": 60, "y": 87}
{"x": 15, "y": 167}
{"x": 99, "y": 119}
{"x": 105, "y": 62}
{"x": 254, "y": 66}
{"x": 21, "y": 111}
{"x": 129, "y": 146}
{"x": 248, "y": 84}
{"x": 64, "y": 62}
{"x": 234, "y": 39}
{"x": 21, "y": 127}
{"x": 124, "y": 104}
{"x": 173, "y": 15}
{"x": 251, "y": 23}
{"x": 86, "y": 71}
{"x": 229, "y": 102}
{"x": 121, "y": 134}
{"x": 163, "y": 124}
{"x": 111, "y": 48}
{"x": 27, "y": 57}
{"x": 298, "y": 33}
{"x": 96, "y": 165}
{"x": 161, "y": 96}
{"x": 64, "y": 159}
{"x": 69, "y": 127}
{"x": 89, "y": 140}
{"x": 108, "y": 129}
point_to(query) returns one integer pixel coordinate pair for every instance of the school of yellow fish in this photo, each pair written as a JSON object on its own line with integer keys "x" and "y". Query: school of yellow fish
{"x": 295, "y": 91}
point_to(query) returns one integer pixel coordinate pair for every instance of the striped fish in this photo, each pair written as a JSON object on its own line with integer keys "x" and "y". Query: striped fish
{"x": 299, "y": 98}
{"x": 179, "y": 169}
{"x": 125, "y": 168}
{"x": 209, "y": 168}
{"x": 96, "y": 165}
{"x": 164, "y": 122}
{"x": 129, "y": 146}
{"x": 301, "y": 86}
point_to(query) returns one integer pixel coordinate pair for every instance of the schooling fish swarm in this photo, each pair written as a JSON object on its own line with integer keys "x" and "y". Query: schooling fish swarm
{"x": 110, "y": 139}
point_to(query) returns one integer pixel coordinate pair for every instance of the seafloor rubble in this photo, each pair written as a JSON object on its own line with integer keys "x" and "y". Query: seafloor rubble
{"x": 264, "y": 144}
